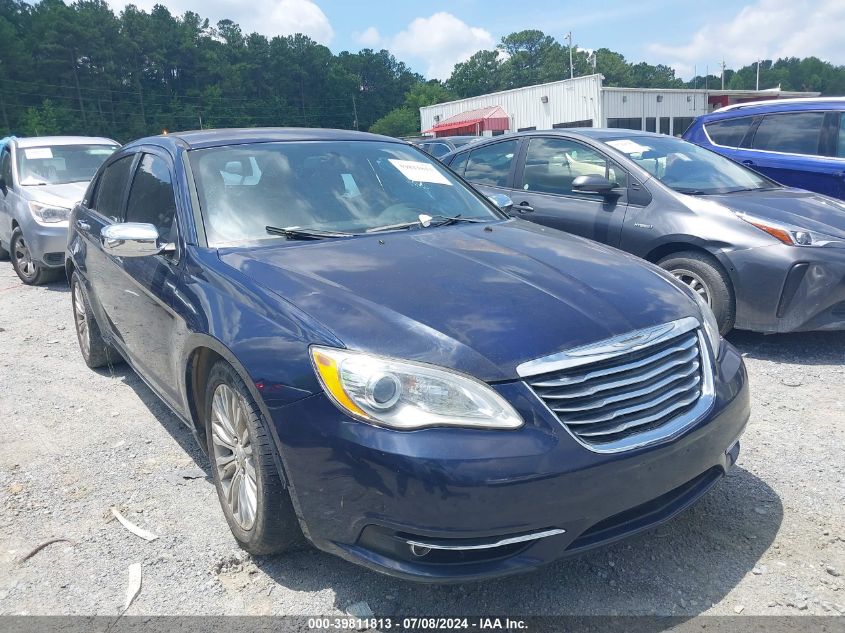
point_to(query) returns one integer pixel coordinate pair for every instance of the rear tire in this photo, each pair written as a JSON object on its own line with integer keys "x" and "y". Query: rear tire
{"x": 704, "y": 275}
{"x": 255, "y": 503}
{"x": 30, "y": 272}
{"x": 95, "y": 351}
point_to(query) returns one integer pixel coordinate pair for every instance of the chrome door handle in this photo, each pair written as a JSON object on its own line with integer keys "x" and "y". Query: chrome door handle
{"x": 748, "y": 162}
{"x": 524, "y": 207}
{"x": 83, "y": 225}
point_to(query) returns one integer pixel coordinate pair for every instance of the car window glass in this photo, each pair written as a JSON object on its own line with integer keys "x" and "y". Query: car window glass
{"x": 841, "y": 143}
{"x": 459, "y": 163}
{"x": 60, "y": 164}
{"x": 793, "y": 133}
{"x": 323, "y": 185}
{"x": 551, "y": 164}
{"x": 728, "y": 132}
{"x": 151, "y": 198}
{"x": 111, "y": 187}
{"x": 490, "y": 165}
{"x": 6, "y": 167}
{"x": 688, "y": 168}
{"x": 439, "y": 149}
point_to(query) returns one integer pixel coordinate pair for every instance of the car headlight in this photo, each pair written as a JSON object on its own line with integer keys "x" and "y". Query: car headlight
{"x": 708, "y": 320}
{"x": 48, "y": 213}
{"x": 406, "y": 395}
{"x": 790, "y": 235}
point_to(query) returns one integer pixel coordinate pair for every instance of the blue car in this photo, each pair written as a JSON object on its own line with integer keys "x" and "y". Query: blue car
{"x": 796, "y": 142}
{"x": 379, "y": 359}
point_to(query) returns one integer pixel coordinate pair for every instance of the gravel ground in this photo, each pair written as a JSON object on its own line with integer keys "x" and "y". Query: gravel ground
{"x": 769, "y": 539}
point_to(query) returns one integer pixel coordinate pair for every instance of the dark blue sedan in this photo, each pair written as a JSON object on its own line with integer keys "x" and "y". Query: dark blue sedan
{"x": 377, "y": 357}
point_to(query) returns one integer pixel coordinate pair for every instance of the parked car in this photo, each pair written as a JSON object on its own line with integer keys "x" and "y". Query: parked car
{"x": 797, "y": 142}
{"x": 764, "y": 257}
{"x": 441, "y": 146}
{"x": 370, "y": 351}
{"x": 41, "y": 178}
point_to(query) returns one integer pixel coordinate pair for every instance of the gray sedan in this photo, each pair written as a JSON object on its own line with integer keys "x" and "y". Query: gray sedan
{"x": 765, "y": 257}
{"x": 41, "y": 178}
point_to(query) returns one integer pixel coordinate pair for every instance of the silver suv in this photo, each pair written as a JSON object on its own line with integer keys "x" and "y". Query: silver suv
{"x": 41, "y": 178}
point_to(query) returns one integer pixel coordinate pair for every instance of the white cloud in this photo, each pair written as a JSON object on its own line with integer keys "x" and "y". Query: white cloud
{"x": 439, "y": 42}
{"x": 766, "y": 29}
{"x": 268, "y": 17}
{"x": 370, "y": 37}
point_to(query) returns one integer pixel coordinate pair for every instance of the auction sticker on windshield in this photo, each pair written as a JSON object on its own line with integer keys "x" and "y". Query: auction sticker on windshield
{"x": 627, "y": 146}
{"x": 36, "y": 153}
{"x": 419, "y": 172}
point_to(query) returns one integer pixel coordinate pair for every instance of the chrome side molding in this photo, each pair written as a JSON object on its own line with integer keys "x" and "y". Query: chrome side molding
{"x": 444, "y": 545}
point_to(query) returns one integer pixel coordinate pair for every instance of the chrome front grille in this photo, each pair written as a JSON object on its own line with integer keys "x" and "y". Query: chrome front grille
{"x": 629, "y": 390}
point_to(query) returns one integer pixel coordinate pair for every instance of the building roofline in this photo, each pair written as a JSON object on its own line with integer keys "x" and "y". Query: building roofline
{"x": 503, "y": 92}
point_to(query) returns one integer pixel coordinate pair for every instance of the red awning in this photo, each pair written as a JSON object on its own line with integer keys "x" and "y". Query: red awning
{"x": 474, "y": 121}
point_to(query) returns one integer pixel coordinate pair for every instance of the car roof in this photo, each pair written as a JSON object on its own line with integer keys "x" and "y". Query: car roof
{"x": 198, "y": 139}
{"x": 775, "y": 105}
{"x": 53, "y": 141}
{"x": 594, "y": 133}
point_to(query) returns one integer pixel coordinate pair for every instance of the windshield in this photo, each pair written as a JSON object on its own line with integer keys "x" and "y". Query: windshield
{"x": 60, "y": 164}
{"x": 329, "y": 186}
{"x": 688, "y": 168}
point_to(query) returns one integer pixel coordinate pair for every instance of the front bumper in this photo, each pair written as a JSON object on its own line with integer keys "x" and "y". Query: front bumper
{"x": 47, "y": 244}
{"x": 789, "y": 289}
{"x": 362, "y": 491}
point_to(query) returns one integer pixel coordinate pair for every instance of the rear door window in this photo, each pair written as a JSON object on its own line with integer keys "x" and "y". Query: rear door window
{"x": 491, "y": 165}
{"x": 791, "y": 133}
{"x": 459, "y": 163}
{"x": 6, "y": 167}
{"x": 108, "y": 200}
{"x": 151, "y": 198}
{"x": 729, "y": 132}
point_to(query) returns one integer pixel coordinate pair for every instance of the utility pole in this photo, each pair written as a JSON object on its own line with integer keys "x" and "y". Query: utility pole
{"x": 758, "y": 75}
{"x": 723, "y": 74}
{"x": 355, "y": 111}
{"x": 571, "y": 67}
{"x": 706, "y": 75}
{"x": 200, "y": 116}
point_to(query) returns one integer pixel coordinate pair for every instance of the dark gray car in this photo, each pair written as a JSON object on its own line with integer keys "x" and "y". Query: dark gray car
{"x": 765, "y": 257}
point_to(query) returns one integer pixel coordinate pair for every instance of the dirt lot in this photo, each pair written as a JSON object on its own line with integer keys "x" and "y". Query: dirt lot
{"x": 770, "y": 539}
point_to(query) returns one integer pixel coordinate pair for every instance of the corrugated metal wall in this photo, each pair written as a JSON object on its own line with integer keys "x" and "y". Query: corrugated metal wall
{"x": 580, "y": 99}
{"x": 632, "y": 103}
{"x": 568, "y": 100}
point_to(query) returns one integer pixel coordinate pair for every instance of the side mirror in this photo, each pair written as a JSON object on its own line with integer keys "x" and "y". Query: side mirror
{"x": 593, "y": 183}
{"x": 502, "y": 201}
{"x": 132, "y": 239}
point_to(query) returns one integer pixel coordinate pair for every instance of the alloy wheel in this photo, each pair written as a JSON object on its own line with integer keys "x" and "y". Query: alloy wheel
{"x": 695, "y": 283}
{"x": 23, "y": 258}
{"x": 81, "y": 320}
{"x": 233, "y": 457}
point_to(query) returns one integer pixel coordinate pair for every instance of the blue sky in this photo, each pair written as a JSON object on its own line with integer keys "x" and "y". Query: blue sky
{"x": 432, "y": 36}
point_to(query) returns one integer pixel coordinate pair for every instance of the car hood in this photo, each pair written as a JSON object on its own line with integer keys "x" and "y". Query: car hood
{"x": 796, "y": 207}
{"x": 64, "y": 195}
{"x": 478, "y": 300}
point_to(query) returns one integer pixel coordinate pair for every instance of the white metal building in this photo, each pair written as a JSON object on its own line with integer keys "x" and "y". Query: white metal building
{"x": 585, "y": 102}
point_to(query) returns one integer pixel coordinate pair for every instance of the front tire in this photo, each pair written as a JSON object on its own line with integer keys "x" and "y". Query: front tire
{"x": 95, "y": 351}
{"x": 30, "y": 271}
{"x": 256, "y": 504}
{"x": 705, "y": 276}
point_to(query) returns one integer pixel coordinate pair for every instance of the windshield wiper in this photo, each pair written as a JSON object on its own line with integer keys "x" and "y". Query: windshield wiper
{"x": 690, "y": 192}
{"x": 425, "y": 221}
{"x": 294, "y": 233}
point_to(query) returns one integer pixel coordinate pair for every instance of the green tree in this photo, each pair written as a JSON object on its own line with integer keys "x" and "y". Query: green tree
{"x": 480, "y": 74}
{"x": 399, "y": 122}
